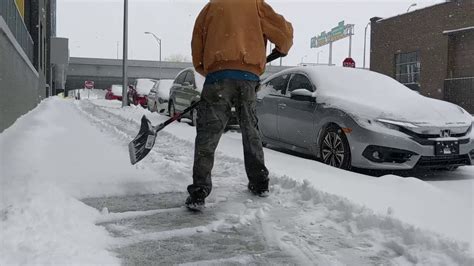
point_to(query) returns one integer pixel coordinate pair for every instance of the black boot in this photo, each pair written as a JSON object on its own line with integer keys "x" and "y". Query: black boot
{"x": 259, "y": 189}
{"x": 196, "y": 201}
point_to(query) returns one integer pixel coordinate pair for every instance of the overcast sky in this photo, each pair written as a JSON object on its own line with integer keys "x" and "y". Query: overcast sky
{"x": 94, "y": 28}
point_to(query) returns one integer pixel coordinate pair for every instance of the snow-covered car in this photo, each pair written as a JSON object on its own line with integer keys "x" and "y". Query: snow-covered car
{"x": 140, "y": 90}
{"x": 352, "y": 117}
{"x": 186, "y": 90}
{"x": 114, "y": 92}
{"x": 159, "y": 96}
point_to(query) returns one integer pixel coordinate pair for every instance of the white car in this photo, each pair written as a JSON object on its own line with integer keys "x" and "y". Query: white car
{"x": 159, "y": 96}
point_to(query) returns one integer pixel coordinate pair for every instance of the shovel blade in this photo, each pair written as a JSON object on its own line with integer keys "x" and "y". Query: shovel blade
{"x": 142, "y": 144}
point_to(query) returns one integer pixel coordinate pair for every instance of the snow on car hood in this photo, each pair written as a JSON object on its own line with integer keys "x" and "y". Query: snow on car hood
{"x": 371, "y": 95}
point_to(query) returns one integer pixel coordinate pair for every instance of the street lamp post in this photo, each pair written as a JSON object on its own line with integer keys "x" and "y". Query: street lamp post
{"x": 412, "y": 5}
{"x": 157, "y": 39}
{"x": 365, "y": 41}
{"x": 125, "y": 55}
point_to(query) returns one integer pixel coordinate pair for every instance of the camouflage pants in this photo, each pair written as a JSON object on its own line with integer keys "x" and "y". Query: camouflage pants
{"x": 214, "y": 112}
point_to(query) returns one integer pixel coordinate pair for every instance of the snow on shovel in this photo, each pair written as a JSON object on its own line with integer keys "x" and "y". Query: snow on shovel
{"x": 142, "y": 144}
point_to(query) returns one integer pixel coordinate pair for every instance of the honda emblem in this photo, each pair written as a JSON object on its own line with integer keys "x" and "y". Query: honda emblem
{"x": 445, "y": 133}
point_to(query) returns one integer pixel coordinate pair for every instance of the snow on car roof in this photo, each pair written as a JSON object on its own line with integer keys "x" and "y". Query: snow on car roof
{"x": 117, "y": 90}
{"x": 373, "y": 95}
{"x": 144, "y": 86}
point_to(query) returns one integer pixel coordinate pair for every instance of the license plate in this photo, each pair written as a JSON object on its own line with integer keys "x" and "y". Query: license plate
{"x": 446, "y": 147}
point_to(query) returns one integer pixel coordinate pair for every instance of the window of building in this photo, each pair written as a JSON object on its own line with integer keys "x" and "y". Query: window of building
{"x": 407, "y": 69}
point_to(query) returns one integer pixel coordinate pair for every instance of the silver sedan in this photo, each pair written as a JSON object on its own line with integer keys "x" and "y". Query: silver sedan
{"x": 352, "y": 117}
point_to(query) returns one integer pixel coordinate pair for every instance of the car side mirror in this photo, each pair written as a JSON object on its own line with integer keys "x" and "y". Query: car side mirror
{"x": 302, "y": 95}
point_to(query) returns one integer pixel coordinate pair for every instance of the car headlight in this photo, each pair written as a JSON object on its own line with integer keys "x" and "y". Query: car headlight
{"x": 392, "y": 124}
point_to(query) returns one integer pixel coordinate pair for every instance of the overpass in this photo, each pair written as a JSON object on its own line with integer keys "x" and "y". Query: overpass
{"x": 105, "y": 72}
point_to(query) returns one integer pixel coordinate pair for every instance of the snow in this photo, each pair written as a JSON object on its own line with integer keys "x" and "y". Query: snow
{"x": 117, "y": 90}
{"x": 370, "y": 96}
{"x": 65, "y": 151}
{"x": 458, "y": 30}
{"x": 164, "y": 87}
{"x": 144, "y": 86}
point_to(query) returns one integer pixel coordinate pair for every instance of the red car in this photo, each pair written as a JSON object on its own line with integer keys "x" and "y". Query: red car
{"x": 139, "y": 92}
{"x": 114, "y": 92}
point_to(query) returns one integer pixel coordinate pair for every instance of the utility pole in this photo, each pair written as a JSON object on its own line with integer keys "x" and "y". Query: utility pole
{"x": 125, "y": 55}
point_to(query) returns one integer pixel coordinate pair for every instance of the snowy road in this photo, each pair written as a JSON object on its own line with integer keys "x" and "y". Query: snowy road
{"x": 305, "y": 221}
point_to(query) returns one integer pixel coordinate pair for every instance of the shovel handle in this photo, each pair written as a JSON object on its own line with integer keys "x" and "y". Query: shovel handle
{"x": 176, "y": 116}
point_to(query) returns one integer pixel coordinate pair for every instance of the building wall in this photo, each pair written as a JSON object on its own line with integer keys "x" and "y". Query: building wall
{"x": 19, "y": 80}
{"x": 461, "y": 54}
{"x": 420, "y": 30}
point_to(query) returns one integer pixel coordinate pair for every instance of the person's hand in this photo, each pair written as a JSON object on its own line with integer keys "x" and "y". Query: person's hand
{"x": 274, "y": 55}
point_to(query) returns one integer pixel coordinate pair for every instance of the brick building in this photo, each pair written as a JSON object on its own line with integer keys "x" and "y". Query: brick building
{"x": 430, "y": 50}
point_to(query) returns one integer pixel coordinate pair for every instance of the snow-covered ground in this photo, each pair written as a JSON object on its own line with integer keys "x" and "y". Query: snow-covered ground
{"x": 66, "y": 156}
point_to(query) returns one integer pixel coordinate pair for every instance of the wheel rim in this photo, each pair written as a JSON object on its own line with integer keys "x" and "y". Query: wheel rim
{"x": 332, "y": 150}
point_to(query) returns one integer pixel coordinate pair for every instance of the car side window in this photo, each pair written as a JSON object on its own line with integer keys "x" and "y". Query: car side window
{"x": 189, "y": 78}
{"x": 180, "y": 78}
{"x": 299, "y": 81}
{"x": 278, "y": 84}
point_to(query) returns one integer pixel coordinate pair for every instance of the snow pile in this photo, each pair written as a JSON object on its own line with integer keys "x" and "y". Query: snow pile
{"x": 40, "y": 224}
{"x": 50, "y": 159}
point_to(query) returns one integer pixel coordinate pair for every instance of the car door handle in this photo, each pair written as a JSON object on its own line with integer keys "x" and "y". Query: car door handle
{"x": 282, "y": 105}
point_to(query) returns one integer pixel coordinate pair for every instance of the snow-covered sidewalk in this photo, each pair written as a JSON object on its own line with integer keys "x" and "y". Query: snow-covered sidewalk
{"x": 66, "y": 156}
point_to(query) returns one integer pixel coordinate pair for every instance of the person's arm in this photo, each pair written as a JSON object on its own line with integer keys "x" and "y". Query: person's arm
{"x": 275, "y": 28}
{"x": 197, "y": 43}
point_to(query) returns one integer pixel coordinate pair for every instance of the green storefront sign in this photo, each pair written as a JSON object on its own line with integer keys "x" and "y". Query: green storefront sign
{"x": 339, "y": 32}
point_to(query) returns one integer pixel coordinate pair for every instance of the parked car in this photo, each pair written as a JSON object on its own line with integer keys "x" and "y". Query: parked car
{"x": 186, "y": 90}
{"x": 352, "y": 117}
{"x": 139, "y": 92}
{"x": 114, "y": 92}
{"x": 159, "y": 96}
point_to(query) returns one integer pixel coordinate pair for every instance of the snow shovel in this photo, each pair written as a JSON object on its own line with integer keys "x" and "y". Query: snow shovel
{"x": 142, "y": 144}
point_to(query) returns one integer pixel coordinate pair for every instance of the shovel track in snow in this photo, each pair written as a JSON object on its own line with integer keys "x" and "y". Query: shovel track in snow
{"x": 297, "y": 224}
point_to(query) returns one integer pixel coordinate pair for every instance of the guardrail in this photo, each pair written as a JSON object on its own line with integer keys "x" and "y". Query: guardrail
{"x": 11, "y": 15}
{"x": 461, "y": 92}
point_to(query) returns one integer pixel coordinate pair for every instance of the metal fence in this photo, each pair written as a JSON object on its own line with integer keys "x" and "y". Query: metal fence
{"x": 461, "y": 92}
{"x": 11, "y": 15}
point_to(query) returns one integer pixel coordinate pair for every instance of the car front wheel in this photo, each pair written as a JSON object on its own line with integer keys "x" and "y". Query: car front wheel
{"x": 334, "y": 148}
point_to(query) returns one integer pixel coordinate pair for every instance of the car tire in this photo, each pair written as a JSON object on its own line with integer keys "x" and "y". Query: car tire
{"x": 334, "y": 148}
